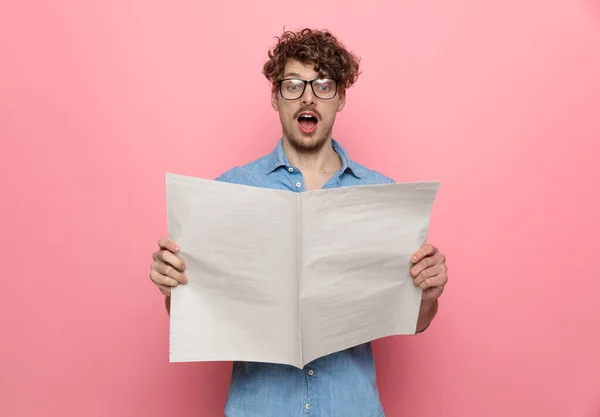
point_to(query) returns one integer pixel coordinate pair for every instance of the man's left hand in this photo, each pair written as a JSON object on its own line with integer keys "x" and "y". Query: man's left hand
{"x": 429, "y": 271}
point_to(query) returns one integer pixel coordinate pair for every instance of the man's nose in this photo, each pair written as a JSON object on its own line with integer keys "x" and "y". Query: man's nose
{"x": 308, "y": 97}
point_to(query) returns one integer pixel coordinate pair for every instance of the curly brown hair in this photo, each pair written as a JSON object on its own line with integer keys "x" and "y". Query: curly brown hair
{"x": 318, "y": 47}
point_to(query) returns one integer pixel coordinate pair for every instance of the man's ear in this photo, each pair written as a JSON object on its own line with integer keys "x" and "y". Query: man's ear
{"x": 342, "y": 102}
{"x": 274, "y": 98}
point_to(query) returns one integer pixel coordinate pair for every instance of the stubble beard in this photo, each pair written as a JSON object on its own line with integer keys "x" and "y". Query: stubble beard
{"x": 311, "y": 145}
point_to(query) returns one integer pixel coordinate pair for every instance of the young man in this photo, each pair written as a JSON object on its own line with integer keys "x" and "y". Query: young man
{"x": 310, "y": 72}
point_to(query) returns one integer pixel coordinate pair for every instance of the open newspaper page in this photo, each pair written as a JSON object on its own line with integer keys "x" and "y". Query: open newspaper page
{"x": 240, "y": 245}
{"x": 356, "y": 243}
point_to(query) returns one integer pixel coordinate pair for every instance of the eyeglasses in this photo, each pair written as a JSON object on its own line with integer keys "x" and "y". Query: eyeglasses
{"x": 293, "y": 88}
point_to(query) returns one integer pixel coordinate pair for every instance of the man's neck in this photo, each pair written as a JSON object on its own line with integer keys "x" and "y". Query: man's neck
{"x": 324, "y": 160}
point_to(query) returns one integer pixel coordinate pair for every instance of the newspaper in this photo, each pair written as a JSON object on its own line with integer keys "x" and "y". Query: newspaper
{"x": 283, "y": 277}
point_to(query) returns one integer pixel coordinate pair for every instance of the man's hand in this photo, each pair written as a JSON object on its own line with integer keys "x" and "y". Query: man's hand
{"x": 167, "y": 269}
{"x": 429, "y": 271}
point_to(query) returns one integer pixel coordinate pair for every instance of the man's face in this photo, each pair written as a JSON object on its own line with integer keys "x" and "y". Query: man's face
{"x": 302, "y": 132}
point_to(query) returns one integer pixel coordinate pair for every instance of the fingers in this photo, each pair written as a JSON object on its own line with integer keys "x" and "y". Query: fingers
{"x": 424, "y": 251}
{"x": 167, "y": 257}
{"x": 168, "y": 271}
{"x": 431, "y": 271}
{"x": 438, "y": 280}
{"x": 427, "y": 273}
{"x": 427, "y": 262}
{"x": 167, "y": 244}
{"x": 160, "y": 279}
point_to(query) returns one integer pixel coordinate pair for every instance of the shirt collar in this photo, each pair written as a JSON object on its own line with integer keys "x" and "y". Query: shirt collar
{"x": 278, "y": 159}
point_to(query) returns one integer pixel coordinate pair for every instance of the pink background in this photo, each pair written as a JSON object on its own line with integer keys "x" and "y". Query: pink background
{"x": 500, "y": 100}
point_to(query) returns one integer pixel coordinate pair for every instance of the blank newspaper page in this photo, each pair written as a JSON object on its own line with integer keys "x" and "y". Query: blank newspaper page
{"x": 356, "y": 244}
{"x": 240, "y": 247}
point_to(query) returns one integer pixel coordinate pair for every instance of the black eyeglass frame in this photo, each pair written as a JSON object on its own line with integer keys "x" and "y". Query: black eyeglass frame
{"x": 312, "y": 87}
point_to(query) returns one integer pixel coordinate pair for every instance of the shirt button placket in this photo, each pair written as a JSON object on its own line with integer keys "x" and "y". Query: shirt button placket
{"x": 309, "y": 374}
{"x": 295, "y": 173}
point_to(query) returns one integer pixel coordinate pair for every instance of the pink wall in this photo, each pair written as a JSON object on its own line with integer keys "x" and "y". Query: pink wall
{"x": 498, "y": 100}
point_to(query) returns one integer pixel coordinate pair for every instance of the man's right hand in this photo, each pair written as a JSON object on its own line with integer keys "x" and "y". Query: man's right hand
{"x": 167, "y": 269}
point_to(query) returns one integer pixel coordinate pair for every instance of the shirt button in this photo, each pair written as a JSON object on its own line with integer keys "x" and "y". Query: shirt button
{"x": 308, "y": 406}
{"x": 291, "y": 169}
{"x": 310, "y": 372}
{"x": 298, "y": 185}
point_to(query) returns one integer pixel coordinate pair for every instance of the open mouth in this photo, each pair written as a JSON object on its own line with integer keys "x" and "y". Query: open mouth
{"x": 307, "y": 122}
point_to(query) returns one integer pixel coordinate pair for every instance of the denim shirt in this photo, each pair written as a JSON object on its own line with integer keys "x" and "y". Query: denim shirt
{"x": 340, "y": 384}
